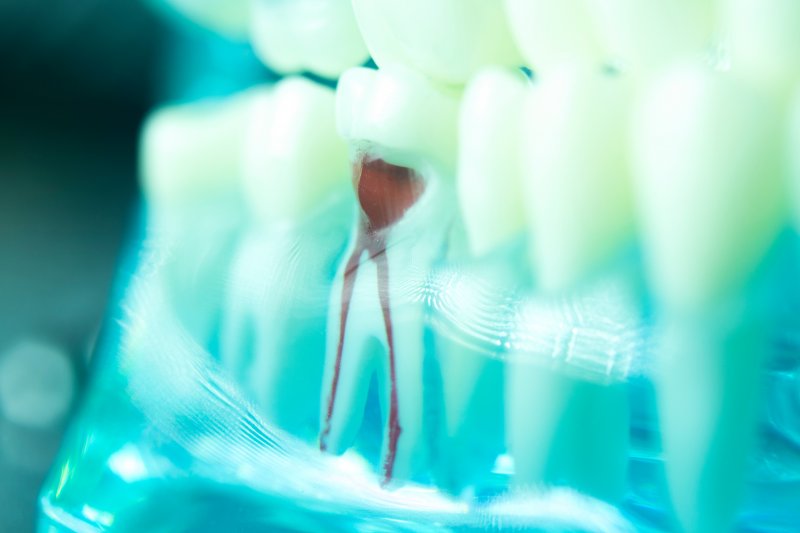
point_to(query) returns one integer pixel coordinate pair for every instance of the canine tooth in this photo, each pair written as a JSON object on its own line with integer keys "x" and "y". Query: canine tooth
{"x": 293, "y": 156}
{"x": 273, "y": 332}
{"x": 320, "y": 36}
{"x": 449, "y": 40}
{"x": 400, "y": 110}
{"x": 647, "y": 34}
{"x": 579, "y": 195}
{"x": 709, "y": 165}
{"x": 227, "y": 17}
{"x": 763, "y": 39}
{"x": 489, "y": 181}
{"x": 551, "y": 34}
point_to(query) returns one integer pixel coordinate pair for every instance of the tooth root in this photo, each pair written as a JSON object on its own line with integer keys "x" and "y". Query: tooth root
{"x": 564, "y": 431}
{"x": 578, "y": 190}
{"x": 551, "y": 34}
{"x": 292, "y": 36}
{"x": 489, "y": 175}
{"x": 709, "y": 166}
{"x": 643, "y": 35}
{"x": 448, "y": 40}
{"x": 763, "y": 39}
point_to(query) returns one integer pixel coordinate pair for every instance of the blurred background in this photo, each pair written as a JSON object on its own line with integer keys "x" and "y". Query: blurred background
{"x": 77, "y": 79}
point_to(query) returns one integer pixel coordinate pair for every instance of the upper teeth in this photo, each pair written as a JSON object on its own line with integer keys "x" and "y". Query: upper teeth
{"x": 319, "y": 36}
{"x": 228, "y": 17}
{"x": 448, "y": 40}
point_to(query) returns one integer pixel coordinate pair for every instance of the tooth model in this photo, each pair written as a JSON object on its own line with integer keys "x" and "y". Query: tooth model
{"x": 295, "y": 172}
{"x": 402, "y": 130}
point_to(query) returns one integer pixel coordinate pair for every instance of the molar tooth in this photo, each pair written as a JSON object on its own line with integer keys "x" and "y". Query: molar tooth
{"x": 273, "y": 335}
{"x": 763, "y": 39}
{"x": 320, "y": 36}
{"x": 489, "y": 181}
{"x": 709, "y": 166}
{"x": 642, "y": 35}
{"x": 551, "y": 34}
{"x": 579, "y": 195}
{"x": 448, "y": 40}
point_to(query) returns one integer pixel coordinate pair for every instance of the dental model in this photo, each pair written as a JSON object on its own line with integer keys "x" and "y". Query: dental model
{"x": 402, "y": 130}
{"x": 273, "y": 334}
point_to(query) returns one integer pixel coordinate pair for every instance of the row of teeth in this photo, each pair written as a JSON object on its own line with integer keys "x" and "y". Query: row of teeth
{"x": 693, "y": 163}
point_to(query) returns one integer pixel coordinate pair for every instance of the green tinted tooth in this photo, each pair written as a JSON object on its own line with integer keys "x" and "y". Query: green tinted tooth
{"x": 489, "y": 178}
{"x": 228, "y": 17}
{"x": 320, "y": 36}
{"x": 448, "y": 40}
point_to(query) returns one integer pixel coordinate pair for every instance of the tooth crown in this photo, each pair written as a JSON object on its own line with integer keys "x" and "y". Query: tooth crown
{"x": 489, "y": 174}
{"x": 293, "y": 157}
{"x": 709, "y": 156}
{"x": 412, "y": 119}
{"x": 578, "y": 184}
{"x": 448, "y": 40}
{"x": 319, "y": 36}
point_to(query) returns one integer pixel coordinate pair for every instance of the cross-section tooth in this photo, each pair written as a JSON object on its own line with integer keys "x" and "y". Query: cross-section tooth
{"x": 296, "y": 171}
{"x": 579, "y": 195}
{"x": 763, "y": 39}
{"x": 552, "y": 34}
{"x": 489, "y": 181}
{"x": 710, "y": 173}
{"x": 190, "y": 163}
{"x": 640, "y": 35}
{"x": 376, "y": 315}
{"x": 448, "y": 40}
{"x": 319, "y": 36}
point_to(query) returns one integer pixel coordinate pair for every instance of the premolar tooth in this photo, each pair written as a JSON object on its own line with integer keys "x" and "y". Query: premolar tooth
{"x": 579, "y": 194}
{"x": 448, "y": 40}
{"x": 763, "y": 39}
{"x": 641, "y": 35}
{"x": 489, "y": 180}
{"x": 293, "y": 157}
{"x": 551, "y": 34}
{"x": 709, "y": 164}
{"x": 320, "y": 36}
{"x": 273, "y": 335}
{"x": 400, "y": 110}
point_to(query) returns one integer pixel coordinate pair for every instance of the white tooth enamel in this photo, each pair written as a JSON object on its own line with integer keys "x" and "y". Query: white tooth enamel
{"x": 401, "y": 110}
{"x": 489, "y": 180}
{"x": 641, "y": 35}
{"x": 710, "y": 174}
{"x": 551, "y": 34}
{"x": 273, "y": 333}
{"x": 709, "y": 167}
{"x": 192, "y": 153}
{"x": 578, "y": 187}
{"x": 319, "y": 36}
{"x": 190, "y": 162}
{"x": 449, "y": 40}
{"x": 763, "y": 37}
{"x": 227, "y": 17}
{"x": 293, "y": 156}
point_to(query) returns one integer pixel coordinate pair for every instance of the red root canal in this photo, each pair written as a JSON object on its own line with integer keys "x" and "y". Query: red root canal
{"x": 385, "y": 192}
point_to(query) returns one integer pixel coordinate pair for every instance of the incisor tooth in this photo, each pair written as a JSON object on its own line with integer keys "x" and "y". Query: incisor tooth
{"x": 319, "y": 36}
{"x": 551, "y": 34}
{"x": 644, "y": 34}
{"x": 489, "y": 181}
{"x": 449, "y": 40}
{"x": 578, "y": 187}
